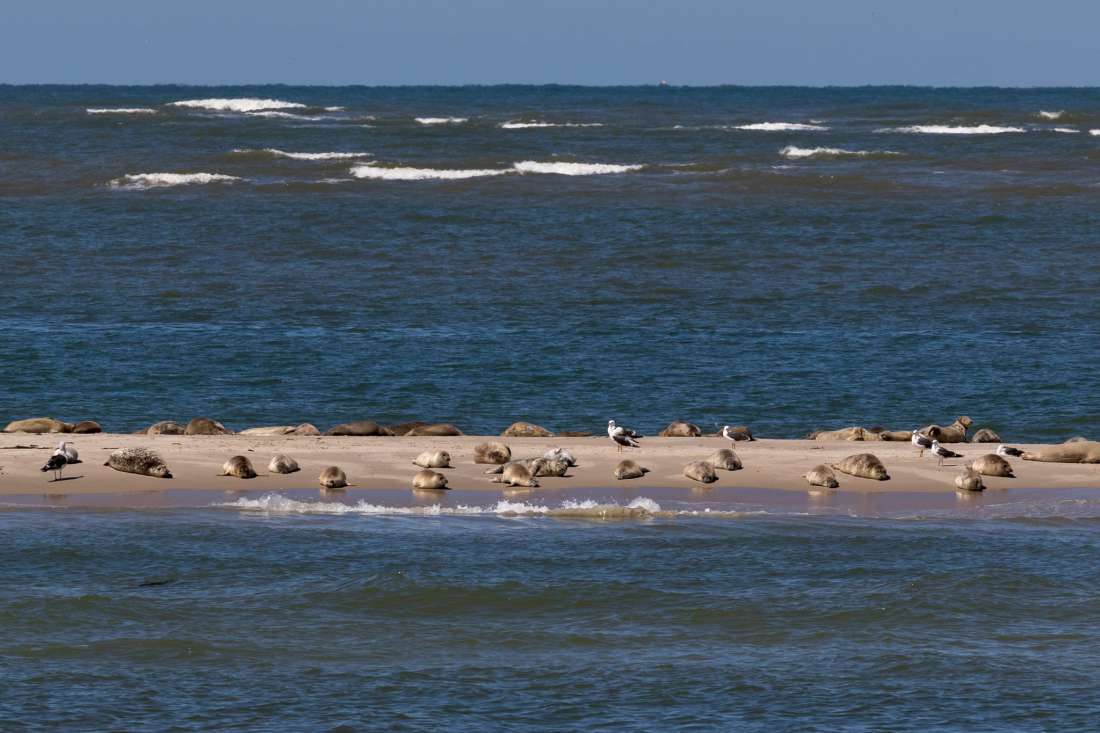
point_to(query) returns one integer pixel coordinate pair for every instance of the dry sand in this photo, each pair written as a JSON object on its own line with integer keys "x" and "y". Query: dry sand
{"x": 386, "y": 463}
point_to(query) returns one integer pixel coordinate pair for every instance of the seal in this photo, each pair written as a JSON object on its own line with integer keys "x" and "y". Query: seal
{"x": 238, "y": 466}
{"x": 725, "y": 459}
{"x": 853, "y": 434}
{"x": 437, "y": 430}
{"x": 433, "y": 459}
{"x": 38, "y": 426}
{"x": 986, "y": 435}
{"x": 359, "y": 428}
{"x": 863, "y": 465}
{"x": 306, "y": 428}
{"x": 164, "y": 427}
{"x": 700, "y": 471}
{"x": 629, "y": 469}
{"x": 282, "y": 463}
{"x": 1081, "y": 451}
{"x": 953, "y": 433}
{"x": 547, "y": 467}
{"x": 680, "y": 429}
{"x": 525, "y": 430}
{"x": 270, "y": 430}
{"x": 87, "y": 427}
{"x": 429, "y": 480}
{"x": 561, "y": 454}
{"x": 821, "y": 475}
{"x": 898, "y": 436}
{"x": 141, "y": 461}
{"x": 494, "y": 453}
{"x": 992, "y": 464}
{"x": 969, "y": 480}
{"x": 206, "y": 426}
{"x": 516, "y": 474}
{"x": 332, "y": 478}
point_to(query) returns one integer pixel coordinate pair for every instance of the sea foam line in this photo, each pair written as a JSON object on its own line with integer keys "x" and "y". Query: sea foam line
{"x": 561, "y": 168}
{"x": 120, "y": 111}
{"x": 953, "y": 129}
{"x": 780, "y": 126}
{"x": 301, "y": 156}
{"x": 1051, "y": 115}
{"x": 239, "y": 104}
{"x": 442, "y": 120}
{"x": 573, "y": 169}
{"x": 535, "y": 124}
{"x": 1095, "y": 132}
{"x": 279, "y": 504}
{"x": 142, "y": 181}
{"x": 794, "y": 152}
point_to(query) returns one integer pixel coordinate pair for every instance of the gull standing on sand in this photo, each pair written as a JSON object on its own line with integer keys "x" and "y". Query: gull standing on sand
{"x": 728, "y": 435}
{"x": 940, "y": 452}
{"x": 921, "y": 441}
{"x": 622, "y": 436}
{"x": 1006, "y": 451}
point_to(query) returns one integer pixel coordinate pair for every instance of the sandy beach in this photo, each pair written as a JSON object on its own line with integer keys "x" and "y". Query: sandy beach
{"x": 386, "y": 463}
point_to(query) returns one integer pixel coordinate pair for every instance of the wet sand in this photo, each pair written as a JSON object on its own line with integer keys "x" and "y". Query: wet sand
{"x": 385, "y": 464}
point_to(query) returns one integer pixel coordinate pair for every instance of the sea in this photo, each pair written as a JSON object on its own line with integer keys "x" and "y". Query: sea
{"x": 784, "y": 258}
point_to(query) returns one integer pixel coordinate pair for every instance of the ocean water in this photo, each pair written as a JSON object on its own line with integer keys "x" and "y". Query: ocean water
{"x": 282, "y": 614}
{"x": 785, "y": 258}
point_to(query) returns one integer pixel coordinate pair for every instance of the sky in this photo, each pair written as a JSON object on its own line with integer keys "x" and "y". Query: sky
{"x": 597, "y": 42}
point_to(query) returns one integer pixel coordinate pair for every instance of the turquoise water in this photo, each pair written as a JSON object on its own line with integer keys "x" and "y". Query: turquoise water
{"x": 291, "y": 618}
{"x": 902, "y": 256}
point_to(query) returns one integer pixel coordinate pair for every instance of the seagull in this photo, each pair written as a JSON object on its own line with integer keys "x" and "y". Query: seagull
{"x": 940, "y": 452}
{"x": 67, "y": 449}
{"x": 920, "y": 441}
{"x": 56, "y": 464}
{"x": 622, "y": 436}
{"x": 732, "y": 437}
{"x": 1004, "y": 450}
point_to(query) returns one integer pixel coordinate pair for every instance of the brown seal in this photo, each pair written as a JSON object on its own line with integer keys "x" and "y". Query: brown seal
{"x": 429, "y": 480}
{"x": 141, "y": 461}
{"x": 986, "y": 435}
{"x": 969, "y": 480}
{"x": 438, "y": 430}
{"x": 238, "y": 466}
{"x": 358, "y": 428}
{"x": 165, "y": 427}
{"x": 725, "y": 459}
{"x": 853, "y": 434}
{"x": 992, "y": 464}
{"x": 821, "y": 475}
{"x": 38, "y": 426}
{"x": 700, "y": 471}
{"x": 493, "y": 453}
{"x": 525, "y": 430}
{"x": 516, "y": 474}
{"x": 333, "y": 478}
{"x": 1082, "y": 451}
{"x": 281, "y": 463}
{"x": 206, "y": 426}
{"x": 561, "y": 454}
{"x": 863, "y": 465}
{"x": 629, "y": 469}
{"x": 680, "y": 429}
{"x": 87, "y": 427}
{"x": 953, "y": 433}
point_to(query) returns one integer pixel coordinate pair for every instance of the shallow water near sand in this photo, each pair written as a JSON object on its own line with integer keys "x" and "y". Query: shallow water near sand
{"x": 233, "y": 618}
{"x": 787, "y": 258}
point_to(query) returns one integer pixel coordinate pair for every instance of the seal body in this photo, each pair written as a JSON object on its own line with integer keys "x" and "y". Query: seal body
{"x": 141, "y": 461}
{"x": 863, "y": 465}
{"x": 165, "y": 427}
{"x": 437, "y": 430}
{"x": 428, "y": 479}
{"x": 239, "y": 467}
{"x": 38, "y": 426}
{"x": 433, "y": 459}
{"x": 270, "y": 430}
{"x": 853, "y": 434}
{"x": 525, "y": 430}
{"x": 359, "y": 428}
{"x": 822, "y": 475}
{"x": 561, "y": 454}
{"x": 547, "y": 467}
{"x": 680, "y": 429}
{"x": 629, "y": 469}
{"x": 725, "y": 459}
{"x": 493, "y": 453}
{"x": 985, "y": 435}
{"x": 1080, "y": 451}
{"x": 87, "y": 427}
{"x": 281, "y": 463}
{"x": 206, "y": 426}
{"x": 700, "y": 471}
{"x": 953, "y": 433}
{"x": 992, "y": 464}
{"x": 969, "y": 480}
{"x": 516, "y": 474}
{"x": 332, "y": 478}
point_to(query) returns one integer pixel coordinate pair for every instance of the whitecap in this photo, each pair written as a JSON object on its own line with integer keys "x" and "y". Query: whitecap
{"x": 573, "y": 169}
{"x": 376, "y": 172}
{"x": 242, "y": 104}
{"x": 288, "y": 115}
{"x": 795, "y": 152}
{"x": 142, "y": 181}
{"x": 525, "y": 125}
{"x": 335, "y": 109}
{"x": 1051, "y": 115}
{"x": 302, "y": 156}
{"x": 442, "y": 120}
{"x": 1067, "y": 130}
{"x": 278, "y": 504}
{"x": 120, "y": 111}
{"x": 780, "y": 126}
{"x": 1095, "y": 132}
{"x": 953, "y": 130}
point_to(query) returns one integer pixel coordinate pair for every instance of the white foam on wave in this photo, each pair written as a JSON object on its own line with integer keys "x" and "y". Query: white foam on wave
{"x": 120, "y": 111}
{"x": 780, "y": 127}
{"x": 335, "y": 109}
{"x": 794, "y": 152}
{"x": 1095, "y": 132}
{"x": 241, "y": 104}
{"x": 302, "y": 156}
{"x": 1051, "y": 115}
{"x": 288, "y": 116}
{"x": 142, "y": 181}
{"x": 953, "y": 129}
{"x": 279, "y": 504}
{"x": 442, "y": 120}
{"x": 573, "y": 169}
{"x": 1067, "y": 130}
{"x": 380, "y": 173}
{"x": 536, "y": 124}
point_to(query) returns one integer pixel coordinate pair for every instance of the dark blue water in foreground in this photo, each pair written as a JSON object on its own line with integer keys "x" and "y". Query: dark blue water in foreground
{"x": 230, "y": 619}
{"x": 787, "y": 258}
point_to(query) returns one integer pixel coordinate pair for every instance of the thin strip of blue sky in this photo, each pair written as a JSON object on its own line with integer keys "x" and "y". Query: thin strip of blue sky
{"x": 812, "y": 42}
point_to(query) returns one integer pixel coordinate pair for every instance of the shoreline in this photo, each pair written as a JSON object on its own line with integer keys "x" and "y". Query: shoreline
{"x": 385, "y": 464}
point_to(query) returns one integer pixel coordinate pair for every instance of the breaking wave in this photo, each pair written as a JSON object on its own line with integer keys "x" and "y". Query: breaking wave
{"x": 242, "y": 104}
{"x": 794, "y": 152}
{"x": 1095, "y": 132}
{"x": 381, "y": 173}
{"x": 288, "y": 116}
{"x": 142, "y": 181}
{"x": 525, "y": 125}
{"x": 573, "y": 169}
{"x": 1069, "y": 130}
{"x": 442, "y": 120}
{"x": 780, "y": 126}
{"x": 275, "y": 152}
{"x": 953, "y": 129}
{"x": 120, "y": 111}
{"x": 1051, "y": 115}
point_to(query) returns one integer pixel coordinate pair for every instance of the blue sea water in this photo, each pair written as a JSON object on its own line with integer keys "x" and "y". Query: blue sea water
{"x": 785, "y": 258}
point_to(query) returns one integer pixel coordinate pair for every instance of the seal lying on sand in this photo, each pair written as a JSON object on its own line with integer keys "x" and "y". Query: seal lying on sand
{"x": 333, "y": 478}
{"x": 433, "y": 459}
{"x": 1082, "y": 451}
{"x": 629, "y": 469}
{"x": 863, "y": 465}
{"x": 680, "y": 429}
{"x": 725, "y": 459}
{"x": 38, "y": 426}
{"x": 516, "y": 474}
{"x": 536, "y": 466}
{"x": 238, "y": 466}
{"x": 164, "y": 427}
{"x": 561, "y": 454}
{"x": 953, "y": 433}
{"x": 206, "y": 426}
{"x": 437, "y": 430}
{"x": 985, "y": 435}
{"x": 821, "y": 475}
{"x": 281, "y": 463}
{"x": 359, "y": 428}
{"x": 141, "y": 461}
{"x": 525, "y": 430}
{"x": 700, "y": 471}
{"x": 494, "y": 453}
{"x": 969, "y": 480}
{"x": 850, "y": 434}
{"x": 428, "y": 479}
{"x": 87, "y": 427}
{"x": 992, "y": 464}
